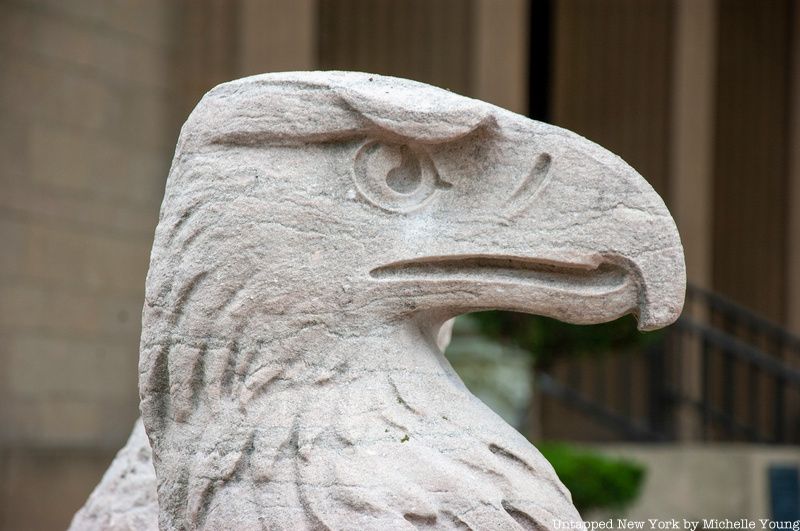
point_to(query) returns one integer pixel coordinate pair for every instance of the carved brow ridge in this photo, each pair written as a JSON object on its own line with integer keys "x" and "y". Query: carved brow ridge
{"x": 291, "y": 111}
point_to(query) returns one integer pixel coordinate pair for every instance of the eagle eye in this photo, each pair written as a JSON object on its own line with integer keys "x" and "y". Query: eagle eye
{"x": 394, "y": 177}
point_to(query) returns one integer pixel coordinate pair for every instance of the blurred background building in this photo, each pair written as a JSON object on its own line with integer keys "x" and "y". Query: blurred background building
{"x": 701, "y": 96}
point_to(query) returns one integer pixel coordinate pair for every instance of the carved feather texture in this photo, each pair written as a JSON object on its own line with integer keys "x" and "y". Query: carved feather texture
{"x": 352, "y": 450}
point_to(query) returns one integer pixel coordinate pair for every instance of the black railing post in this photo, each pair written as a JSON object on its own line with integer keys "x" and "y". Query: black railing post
{"x": 778, "y": 409}
{"x": 706, "y": 387}
{"x": 658, "y": 400}
{"x": 754, "y": 391}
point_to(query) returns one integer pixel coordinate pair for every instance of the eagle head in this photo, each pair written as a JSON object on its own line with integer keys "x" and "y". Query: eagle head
{"x": 316, "y": 231}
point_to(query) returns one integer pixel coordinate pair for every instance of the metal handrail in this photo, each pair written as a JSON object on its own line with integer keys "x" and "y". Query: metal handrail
{"x": 728, "y": 336}
{"x": 739, "y": 349}
{"x": 633, "y": 429}
{"x": 744, "y": 315}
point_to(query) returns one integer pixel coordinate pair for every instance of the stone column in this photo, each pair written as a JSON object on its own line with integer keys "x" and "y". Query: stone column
{"x": 692, "y": 166}
{"x": 500, "y": 53}
{"x": 277, "y": 35}
{"x": 793, "y": 243}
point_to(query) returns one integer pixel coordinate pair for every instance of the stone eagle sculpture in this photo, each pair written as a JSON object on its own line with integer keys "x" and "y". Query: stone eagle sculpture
{"x": 316, "y": 231}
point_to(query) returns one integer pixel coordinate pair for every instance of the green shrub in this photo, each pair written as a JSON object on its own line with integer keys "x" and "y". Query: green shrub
{"x": 595, "y": 481}
{"x": 547, "y": 339}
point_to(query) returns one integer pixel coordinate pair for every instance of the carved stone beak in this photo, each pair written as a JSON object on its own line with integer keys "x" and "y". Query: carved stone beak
{"x": 584, "y": 239}
{"x": 580, "y": 293}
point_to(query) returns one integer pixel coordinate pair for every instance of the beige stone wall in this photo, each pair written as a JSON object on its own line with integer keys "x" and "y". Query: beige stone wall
{"x": 86, "y": 137}
{"x": 702, "y": 481}
{"x": 86, "y": 142}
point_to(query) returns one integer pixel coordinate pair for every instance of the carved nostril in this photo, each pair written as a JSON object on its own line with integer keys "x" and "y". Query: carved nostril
{"x": 535, "y": 179}
{"x": 530, "y": 186}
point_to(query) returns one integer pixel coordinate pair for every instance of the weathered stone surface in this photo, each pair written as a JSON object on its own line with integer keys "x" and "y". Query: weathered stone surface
{"x": 125, "y": 499}
{"x": 317, "y": 229}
